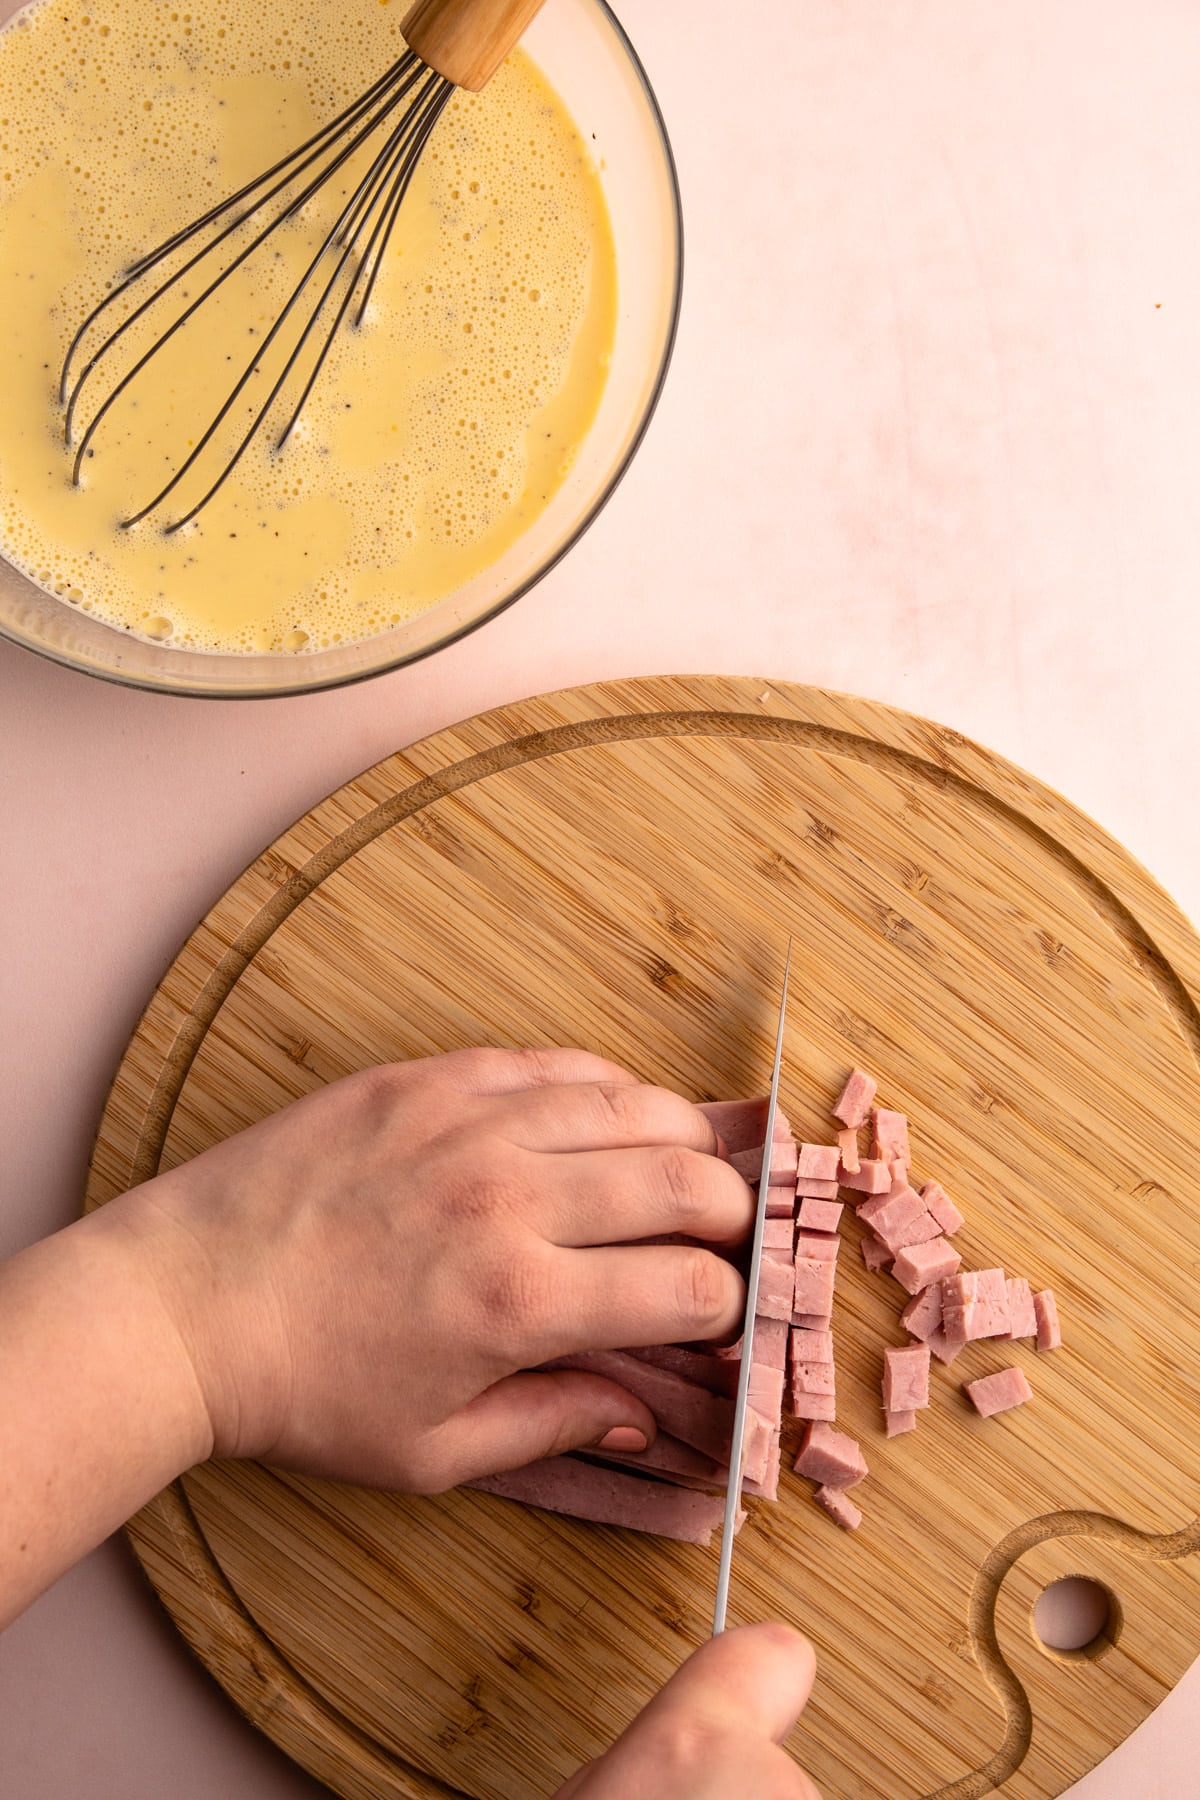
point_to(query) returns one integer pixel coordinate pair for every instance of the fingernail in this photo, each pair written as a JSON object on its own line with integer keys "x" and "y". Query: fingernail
{"x": 623, "y": 1437}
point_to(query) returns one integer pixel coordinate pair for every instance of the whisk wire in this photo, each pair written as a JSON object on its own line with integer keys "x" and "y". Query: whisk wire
{"x": 401, "y": 141}
{"x": 320, "y": 140}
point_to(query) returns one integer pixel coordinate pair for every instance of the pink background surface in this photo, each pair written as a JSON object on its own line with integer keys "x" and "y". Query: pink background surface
{"x": 931, "y": 435}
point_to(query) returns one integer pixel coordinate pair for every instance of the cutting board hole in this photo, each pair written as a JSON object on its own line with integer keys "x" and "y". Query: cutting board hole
{"x": 1077, "y": 1618}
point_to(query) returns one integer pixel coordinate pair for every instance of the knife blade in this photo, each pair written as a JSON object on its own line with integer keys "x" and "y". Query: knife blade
{"x": 733, "y": 1491}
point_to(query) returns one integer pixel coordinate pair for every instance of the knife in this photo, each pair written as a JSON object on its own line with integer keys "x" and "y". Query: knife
{"x": 733, "y": 1491}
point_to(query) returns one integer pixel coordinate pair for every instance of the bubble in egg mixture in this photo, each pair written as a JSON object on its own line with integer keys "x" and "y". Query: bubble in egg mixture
{"x": 435, "y": 435}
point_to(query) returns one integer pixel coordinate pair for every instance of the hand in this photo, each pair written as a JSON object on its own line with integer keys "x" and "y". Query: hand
{"x": 714, "y": 1732}
{"x": 358, "y": 1280}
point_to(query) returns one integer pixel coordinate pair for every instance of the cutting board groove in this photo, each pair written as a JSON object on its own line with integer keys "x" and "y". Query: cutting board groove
{"x": 619, "y": 866}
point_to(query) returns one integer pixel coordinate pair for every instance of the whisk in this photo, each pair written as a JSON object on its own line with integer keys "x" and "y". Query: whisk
{"x": 451, "y": 44}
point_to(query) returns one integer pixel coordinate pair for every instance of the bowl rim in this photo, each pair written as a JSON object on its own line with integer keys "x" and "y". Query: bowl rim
{"x": 155, "y": 685}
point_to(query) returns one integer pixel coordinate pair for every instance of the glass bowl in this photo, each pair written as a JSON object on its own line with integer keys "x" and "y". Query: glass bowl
{"x": 586, "y": 55}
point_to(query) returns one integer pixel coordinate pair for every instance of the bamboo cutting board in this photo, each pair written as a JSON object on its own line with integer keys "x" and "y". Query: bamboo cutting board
{"x": 619, "y": 867}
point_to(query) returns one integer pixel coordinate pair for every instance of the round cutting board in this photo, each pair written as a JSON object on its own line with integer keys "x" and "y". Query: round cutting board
{"x": 620, "y": 867}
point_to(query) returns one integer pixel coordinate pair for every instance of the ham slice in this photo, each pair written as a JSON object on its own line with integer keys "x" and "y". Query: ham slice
{"x": 848, "y": 1158}
{"x": 896, "y": 1423}
{"x": 701, "y": 1419}
{"x": 1049, "y": 1333}
{"x": 820, "y": 1215}
{"x": 939, "y": 1203}
{"x": 741, "y": 1123}
{"x": 817, "y": 1162}
{"x": 831, "y": 1457}
{"x": 917, "y": 1265}
{"x": 667, "y": 1457}
{"x": 840, "y": 1507}
{"x": 854, "y": 1102}
{"x": 999, "y": 1392}
{"x": 712, "y": 1372}
{"x": 906, "y": 1378}
{"x": 562, "y": 1484}
{"x": 871, "y": 1177}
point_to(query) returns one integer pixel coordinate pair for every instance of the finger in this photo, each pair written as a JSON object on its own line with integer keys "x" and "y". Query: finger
{"x": 486, "y": 1071}
{"x": 618, "y": 1196}
{"x": 603, "y": 1115}
{"x": 757, "y": 1678}
{"x": 742, "y": 1124}
{"x": 686, "y": 1763}
{"x": 715, "y": 1723}
{"x": 525, "y": 1417}
{"x": 645, "y": 1294}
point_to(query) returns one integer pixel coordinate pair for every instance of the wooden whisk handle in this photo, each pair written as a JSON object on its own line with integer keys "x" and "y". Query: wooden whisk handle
{"x": 466, "y": 40}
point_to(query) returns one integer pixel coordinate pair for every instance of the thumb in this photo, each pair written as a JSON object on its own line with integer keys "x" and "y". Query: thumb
{"x": 525, "y": 1417}
{"x": 714, "y": 1728}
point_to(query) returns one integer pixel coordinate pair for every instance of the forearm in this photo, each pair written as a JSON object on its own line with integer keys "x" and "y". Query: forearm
{"x": 99, "y": 1405}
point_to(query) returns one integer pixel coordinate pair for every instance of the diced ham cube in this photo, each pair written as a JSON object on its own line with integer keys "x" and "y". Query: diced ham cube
{"x": 854, "y": 1102}
{"x": 802, "y": 1321}
{"x": 814, "y": 1378}
{"x": 776, "y": 1288}
{"x": 899, "y": 1220}
{"x": 869, "y": 1178}
{"x": 780, "y": 1256}
{"x": 562, "y": 1484}
{"x": 943, "y": 1347}
{"x": 766, "y": 1390}
{"x": 899, "y": 1422}
{"x": 875, "y": 1255}
{"x": 820, "y": 1215}
{"x": 922, "y": 1316}
{"x": 997, "y": 1393}
{"x": 975, "y": 1305}
{"x": 917, "y": 1265}
{"x": 824, "y": 1245}
{"x": 821, "y": 1407}
{"x": 889, "y": 1135}
{"x": 812, "y": 1346}
{"x": 816, "y": 1190}
{"x": 831, "y": 1457}
{"x": 1022, "y": 1313}
{"x": 840, "y": 1507}
{"x": 781, "y": 1202}
{"x": 898, "y": 1170}
{"x": 817, "y": 1162}
{"x": 814, "y": 1285}
{"x": 939, "y": 1203}
{"x": 777, "y": 1234}
{"x": 906, "y": 1378}
{"x": 1049, "y": 1332}
{"x": 748, "y": 1163}
{"x": 770, "y": 1342}
{"x": 848, "y": 1158}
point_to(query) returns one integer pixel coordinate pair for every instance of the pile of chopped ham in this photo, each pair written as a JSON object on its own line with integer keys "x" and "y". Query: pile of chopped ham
{"x": 675, "y": 1488}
